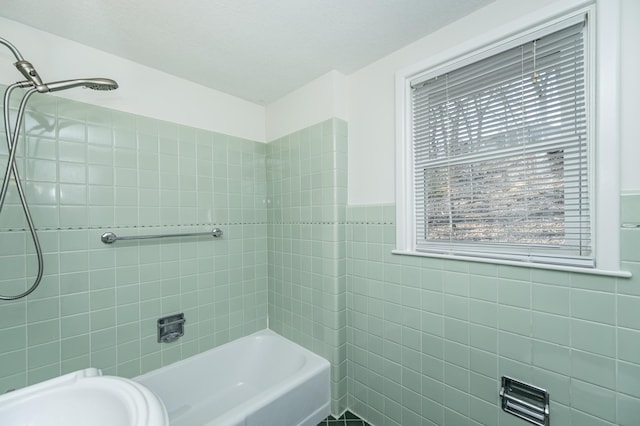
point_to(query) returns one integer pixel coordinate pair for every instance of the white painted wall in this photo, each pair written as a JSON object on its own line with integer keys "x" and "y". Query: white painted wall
{"x": 630, "y": 102}
{"x": 317, "y": 101}
{"x": 372, "y": 96}
{"x": 143, "y": 90}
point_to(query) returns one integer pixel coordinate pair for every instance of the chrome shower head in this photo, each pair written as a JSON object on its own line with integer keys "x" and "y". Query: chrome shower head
{"x": 33, "y": 78}
{"x": 91, "y": 83}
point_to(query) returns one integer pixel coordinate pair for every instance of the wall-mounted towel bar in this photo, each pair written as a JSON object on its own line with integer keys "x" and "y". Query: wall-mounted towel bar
{"x": 110, "y": 237}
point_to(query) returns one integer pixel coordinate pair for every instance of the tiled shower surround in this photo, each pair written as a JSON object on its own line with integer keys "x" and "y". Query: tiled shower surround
{"x": 89, "y": 170}
{"x": 412, "y": 341}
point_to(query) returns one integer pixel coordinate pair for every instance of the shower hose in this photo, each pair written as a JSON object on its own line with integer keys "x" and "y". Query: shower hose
{"x": 12, "y": 170}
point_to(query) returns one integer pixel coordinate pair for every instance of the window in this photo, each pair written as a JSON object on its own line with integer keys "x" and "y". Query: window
{"x": 500, "y": 154}
{"x": 496, "y": 151}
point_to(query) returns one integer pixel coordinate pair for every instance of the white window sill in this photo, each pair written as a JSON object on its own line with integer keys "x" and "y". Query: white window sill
{"x": 591, "y": 271}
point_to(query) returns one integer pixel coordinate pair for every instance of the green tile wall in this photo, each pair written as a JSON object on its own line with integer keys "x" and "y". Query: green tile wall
{"x": 410, "y": 340}
{"x": 428, "y": 339}
{"x": 307, "y": 187}
{"x": 88, "y": 170}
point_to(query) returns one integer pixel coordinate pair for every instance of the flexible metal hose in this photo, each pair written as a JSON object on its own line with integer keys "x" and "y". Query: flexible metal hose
{"x": 12, "y": 169}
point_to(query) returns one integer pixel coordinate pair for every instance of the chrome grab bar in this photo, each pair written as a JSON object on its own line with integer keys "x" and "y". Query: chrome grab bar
{"x": 110, "y": 237}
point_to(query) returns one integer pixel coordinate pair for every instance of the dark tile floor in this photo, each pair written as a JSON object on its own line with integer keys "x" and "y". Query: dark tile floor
{"x": 347, "y": 419}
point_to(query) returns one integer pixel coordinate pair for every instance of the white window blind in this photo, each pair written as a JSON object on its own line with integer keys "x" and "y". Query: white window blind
{"x": 501, "y": 155}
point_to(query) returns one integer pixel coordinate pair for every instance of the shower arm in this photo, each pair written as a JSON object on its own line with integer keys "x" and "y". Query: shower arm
{"x": 12, "y": 48}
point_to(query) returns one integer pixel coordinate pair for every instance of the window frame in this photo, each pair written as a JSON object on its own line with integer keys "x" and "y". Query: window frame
{"x": 603, "y": 98}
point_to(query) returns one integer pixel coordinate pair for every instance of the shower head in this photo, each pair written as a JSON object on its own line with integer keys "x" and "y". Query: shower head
{"x": 34, "y": 79}
{"x": 91, "y": 83}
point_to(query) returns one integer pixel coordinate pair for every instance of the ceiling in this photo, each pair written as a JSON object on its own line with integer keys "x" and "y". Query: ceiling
{"x": 258, "y": 50}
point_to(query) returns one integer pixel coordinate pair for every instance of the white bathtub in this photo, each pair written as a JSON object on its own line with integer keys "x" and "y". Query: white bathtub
{"x": 258, "y": 380}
